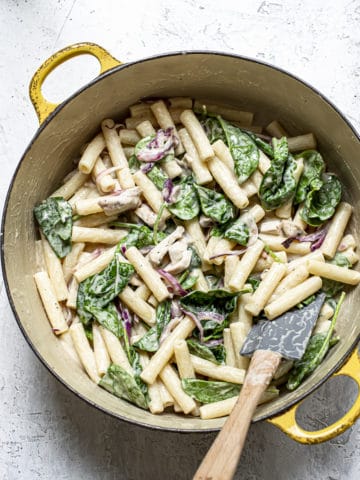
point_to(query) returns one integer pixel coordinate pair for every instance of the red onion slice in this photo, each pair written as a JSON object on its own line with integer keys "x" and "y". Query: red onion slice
{"x": 146, "y": 168}
{"x": 107, "y": 171}
{"x": 159, "y": 146}
{"x": 173, "y": 282}
{"x": 196, "y": 321}
{"x": 317, "y": 238}
{"x": 230, "y": 252}
{"x": 168, "y": 190}
{"x": 216, "y": 317}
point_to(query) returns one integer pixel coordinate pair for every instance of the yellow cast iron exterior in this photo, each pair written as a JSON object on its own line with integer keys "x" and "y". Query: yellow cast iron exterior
{"x": 42, "y": 107}
{"x": 285, "y": 421}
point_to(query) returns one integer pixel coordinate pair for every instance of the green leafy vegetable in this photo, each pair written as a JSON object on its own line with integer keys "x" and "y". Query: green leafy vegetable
{"x": 156, "y": 174}
{"x": 54, "y": 216}
{"x": 150, "y": 341}
{"x": 195, "y": 258}
{"x": 272, "y": 254}
{"x": 187, "y": 281}
{"x": 206, "y": 391}
{"x": 306, "y": 302}
{"x": 322, "y": 200}
{"x": 139, "y": 236}
{"x": 107, "y": 317}
{"x": 219, "y": 302}
{"x": 315, "y": 352}
{"x": 215, "y": 205}
{"x": 332, "y": 287}
{"x": 213, "y": 129}
{"x": 158, "y": 177}
{"x": 143, "y": 143}
{"x": 314, "y": 166}
{"x": 213, "y": 281}
{"x": 278, "y": 184}
{"x": 100, "y": 289}
{"x": 120, "y": 383}
{"x": 200, "y": 350}
{"x": 254, "y": 282}
{"x": 262, "y": 145}
{"x": 243, "y": 149}
{"x": 220, "y": 353}
{"x": 237, "y": 230}
{"x": 134, "y": 164}
{"x": 187, "y": 205}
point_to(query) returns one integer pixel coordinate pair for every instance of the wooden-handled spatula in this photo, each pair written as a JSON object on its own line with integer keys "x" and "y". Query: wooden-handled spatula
{"x": 268, "y": 341}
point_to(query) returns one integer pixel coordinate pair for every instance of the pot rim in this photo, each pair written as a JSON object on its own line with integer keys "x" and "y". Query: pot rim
{"x": 44, "y": 124}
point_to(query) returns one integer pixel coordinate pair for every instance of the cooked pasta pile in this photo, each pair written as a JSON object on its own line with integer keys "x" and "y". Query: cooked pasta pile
{"x": 178, "y": 231}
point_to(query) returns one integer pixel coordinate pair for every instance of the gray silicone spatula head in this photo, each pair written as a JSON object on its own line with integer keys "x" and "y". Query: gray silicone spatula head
{"x": 287, "y": 334}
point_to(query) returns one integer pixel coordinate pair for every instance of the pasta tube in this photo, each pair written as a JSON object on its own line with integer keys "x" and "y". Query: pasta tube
{"x": 333, "y": 272}
{"x": 145, "y": 270}
{"x": 166, "y": 350}
{"x": 292, "y": 297}
{"x": 91, "y": 154}
{"x": 246, "y": 265}
{"x": 197, "y": 134}
{"x": 336, "y": 230}
{"x": 51, "y": 305}
{"x": 84, "y": 351}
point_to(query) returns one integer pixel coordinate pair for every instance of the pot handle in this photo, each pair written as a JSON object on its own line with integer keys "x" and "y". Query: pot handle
{"x": 42, "y": 107}
{"x": 288, "y": 424}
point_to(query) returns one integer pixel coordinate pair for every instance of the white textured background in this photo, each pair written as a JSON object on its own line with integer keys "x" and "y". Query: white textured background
{"x": 46, "y": 432}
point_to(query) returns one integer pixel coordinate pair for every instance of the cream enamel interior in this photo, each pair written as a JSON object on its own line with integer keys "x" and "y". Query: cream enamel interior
{"x": 219, "y": 77}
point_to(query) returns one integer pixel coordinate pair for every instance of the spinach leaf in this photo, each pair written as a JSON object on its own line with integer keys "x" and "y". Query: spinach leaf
{"x": 158, "y": 177}
{"x": 186, "y": 205}
{"x": 200, "y": 350}
{"x": 120, "y": 383}
{"x": 238, "y": 231}
{"x": 213, "y": 281}
{"x": 139, "y": 236}
{"x": 322, "y": 200}
{"x": 156, "y": 174}
{"x": 213, "y": 129}
{"x": 187, "y": 281}
{"x": 214, "y": 306}
{"x": 206, "y": 391}
{"x": 272, "y": 254}
{"x": 150, "y": 341}
{"x": 262, "y": 145}
{"x": 134, "y": 164}
{"x": 215, "y": 205}
{"x": 220, "y": 353}
{"x": 315, "y": 352}
{"x": 254, "y": 282}
{"x": 99, "y": 289}
{"x": 142, "y": 144}
{"x": 215, "y": 354}
{"x": 314, "y": 166}
{"x": 278, "y": 184}
{"x": 195, "y": 258}
{"x": 54, "y": 216}
{"x": 107, "y": 317}
{"x": 243, "y": 149}
{"x": 332, "y": 287}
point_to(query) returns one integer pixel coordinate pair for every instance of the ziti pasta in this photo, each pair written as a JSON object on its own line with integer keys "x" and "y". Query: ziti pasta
{"x": 182, "y": 227}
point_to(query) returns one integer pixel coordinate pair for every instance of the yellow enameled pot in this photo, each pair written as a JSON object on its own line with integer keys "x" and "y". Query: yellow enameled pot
{"x": 66, "y": 127}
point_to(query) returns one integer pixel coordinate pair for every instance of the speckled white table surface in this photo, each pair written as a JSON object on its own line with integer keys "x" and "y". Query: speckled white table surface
{"x": 45, "y": 431}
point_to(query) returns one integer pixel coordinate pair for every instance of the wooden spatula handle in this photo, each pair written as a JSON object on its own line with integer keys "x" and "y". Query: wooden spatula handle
{"x": 221, "y": 460}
